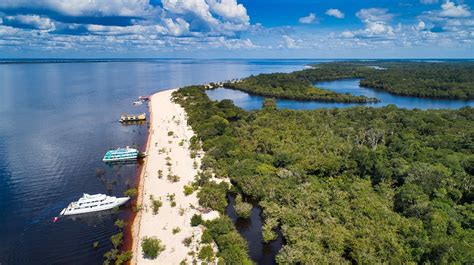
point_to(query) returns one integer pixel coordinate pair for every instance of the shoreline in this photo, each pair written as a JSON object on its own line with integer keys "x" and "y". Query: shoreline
{"x": 168, "y": 155}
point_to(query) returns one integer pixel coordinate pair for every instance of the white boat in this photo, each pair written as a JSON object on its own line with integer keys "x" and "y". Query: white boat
{"x": 93, "y": 203}
{"x": 139, "y": 102}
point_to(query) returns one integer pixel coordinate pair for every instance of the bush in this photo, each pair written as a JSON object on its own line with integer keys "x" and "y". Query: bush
{"x": 170, "y": 133}
{"x": 120, "y": 223}
{"x": 173, "y": 178}
{"x": 176, "y": 230}
{"x": 188, "y": 190}
{"x": 206, "y": 254}
{"x": 117, "y": 239}
{"x": 187, "y": 241}
{"x": 155, "y": 204}
{"x": 213, "y": 195}
{"x": 196, "y": 220}
{"x": 152, "y": 247}
{"x": 123, "y": 257}
{"x": 132, "y": 193}
{"x": 242, "y": 209}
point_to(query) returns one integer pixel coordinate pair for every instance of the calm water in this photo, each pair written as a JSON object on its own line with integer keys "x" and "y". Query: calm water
{"x": 251, "y": 229}
{"x": 351, "y": 86}
{"x": 57, "y": 120}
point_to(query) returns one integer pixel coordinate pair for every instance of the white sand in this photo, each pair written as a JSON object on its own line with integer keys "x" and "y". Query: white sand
{"x": 167, "y": 116}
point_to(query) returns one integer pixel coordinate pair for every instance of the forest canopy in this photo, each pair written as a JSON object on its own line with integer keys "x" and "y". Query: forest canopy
{"x": 356, "y": 185}
{"x": 451, "y": 80}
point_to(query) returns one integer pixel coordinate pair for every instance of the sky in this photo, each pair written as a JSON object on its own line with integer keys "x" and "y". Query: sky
{"x": 236, "y": 29}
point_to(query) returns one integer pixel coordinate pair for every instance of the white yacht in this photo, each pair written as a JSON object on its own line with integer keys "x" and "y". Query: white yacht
{"x": 93, "y": 203}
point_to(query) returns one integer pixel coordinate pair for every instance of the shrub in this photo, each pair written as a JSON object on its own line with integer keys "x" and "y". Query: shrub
{"x": 206, "y": 253}
{"x": 132, "y": 193}
{"x": 120, "y": 223}
{"x": 242, "y": 209}
{"x": 123, "y": 257}
{"x": 95, "y": 244}
{"x": 196, "y": 220}
{"x": 176, "y": 230}
{"x": 170, "y": 133}
{"x": 152, "y": 247}
{"x": 116, "y": 239}
{"x": 155, "y": 204}
{"x": 173, "y": 178}
{"x": 188, "y": 190}
{"x": 213, "y": 195}
{"x": 187, "y": 241}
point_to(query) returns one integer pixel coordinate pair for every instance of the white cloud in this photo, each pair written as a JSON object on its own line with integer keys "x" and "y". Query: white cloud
{"x": 289, "y": 42}
{"x": 86, "y": 7}
{"x": 34, "y": 21}
{"x": 335, "y": 13}
{"x": 311, "y": 18}
{"x": 230, "y": 10}
{"x": 347, "y": 34}
{"x": 374, "y": 14}
{"x": 450, "y": 9}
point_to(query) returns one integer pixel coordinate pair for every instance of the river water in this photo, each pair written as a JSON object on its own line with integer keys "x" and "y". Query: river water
{"x": 351, "y": 86}
{"x": 57, "y": 119}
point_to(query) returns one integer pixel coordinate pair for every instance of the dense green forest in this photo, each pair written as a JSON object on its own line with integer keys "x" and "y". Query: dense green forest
{"x": 453, "y": 80}
{"x": 358, "y": 185}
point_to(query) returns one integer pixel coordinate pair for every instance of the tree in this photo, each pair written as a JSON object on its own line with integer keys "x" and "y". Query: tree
{"x": 151, "y": 247}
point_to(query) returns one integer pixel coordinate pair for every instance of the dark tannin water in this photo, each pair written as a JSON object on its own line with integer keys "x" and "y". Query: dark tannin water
{"x": 251, "y": 229}
{"x": 56, "y": 122}
{"x": 351, "y": 86}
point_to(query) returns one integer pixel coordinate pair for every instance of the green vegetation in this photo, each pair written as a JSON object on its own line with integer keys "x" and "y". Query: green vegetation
{"x": 172, "y": 199}
{"x": 438, "y": 80}
{"x": 232, "y": 247}
{"x": 206, "y": 254}
{"x": 213, "y": 195}
{"x": 152, "y": 247}
{"x": 242, "y": 209}
{"x": 189, "y": 189}
{"x": 120, "y": 223}
{"x": 196, "y": 220}
{"x": 95, "y": 244}
{"x": 155, "y": 204}
{"x": 359, "y": 185}
{"x": 176, "y": 230}
{"x": 132, "y": 193}
{"x": 173, "y": 178}
{"x": 292, "y": 86}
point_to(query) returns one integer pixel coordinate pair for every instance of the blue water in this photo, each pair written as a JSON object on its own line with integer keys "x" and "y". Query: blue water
{"x": 57, "y": 119}
{"x": 351, "y": 86}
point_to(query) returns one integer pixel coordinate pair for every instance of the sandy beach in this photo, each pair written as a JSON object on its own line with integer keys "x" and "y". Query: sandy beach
{"x": 168, "y": 152}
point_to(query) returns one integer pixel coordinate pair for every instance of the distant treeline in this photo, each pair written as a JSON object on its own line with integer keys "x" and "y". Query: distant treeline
{"x": 451, "y": 80}
{"x": 346, "y": 186}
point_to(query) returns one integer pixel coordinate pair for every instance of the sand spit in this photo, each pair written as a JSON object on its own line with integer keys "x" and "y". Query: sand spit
{"x": 168, "y": 152}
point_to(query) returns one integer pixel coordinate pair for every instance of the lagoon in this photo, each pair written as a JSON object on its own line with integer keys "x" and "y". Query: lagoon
{"x": 351, "y": 86}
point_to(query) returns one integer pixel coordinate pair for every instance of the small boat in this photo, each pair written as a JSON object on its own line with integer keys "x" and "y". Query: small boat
{"x": 138, "y": 102}
{"x": 132, "y": 117}
{"x": 93, "y": 203}
{"x": 121, "y": 154}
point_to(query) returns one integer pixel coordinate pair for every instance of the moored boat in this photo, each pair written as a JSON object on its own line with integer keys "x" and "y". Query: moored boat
{"x": 132, "y": 117}
{"x": 121, "y": 154}
{"x": 93, "y": 203}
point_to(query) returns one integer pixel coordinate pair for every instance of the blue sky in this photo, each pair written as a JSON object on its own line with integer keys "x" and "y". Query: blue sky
{"x": 237, "y": 28}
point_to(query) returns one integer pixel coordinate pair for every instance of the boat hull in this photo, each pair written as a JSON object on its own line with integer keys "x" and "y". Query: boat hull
{"x": 119, "y": 159}
{"x": 120, "y": 202}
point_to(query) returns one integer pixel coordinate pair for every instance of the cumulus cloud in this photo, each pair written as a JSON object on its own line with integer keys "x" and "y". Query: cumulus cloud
{"x": 85, "y": 7}
{"x": 310, "y": 19}
{"x": 29, "y": 21}
{"x": 230, "y": 10}
{"x": 450, "y": 9}
{"x": 374, "y": 15}
{"x": 335, "y": 13}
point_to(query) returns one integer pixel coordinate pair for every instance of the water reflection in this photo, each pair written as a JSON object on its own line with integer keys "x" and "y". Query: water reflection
{"x": 351, "y": 86}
